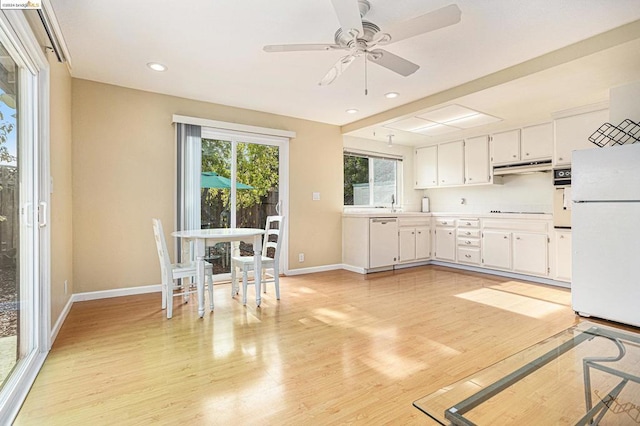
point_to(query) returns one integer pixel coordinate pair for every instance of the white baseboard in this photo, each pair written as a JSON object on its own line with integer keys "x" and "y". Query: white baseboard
{"x": 355, "y": 269}
{"x": 507, "y": 274}
{"x": 324, "y": 268}
{"x": 105, "y": 294}
{"x": 58, "y": 325}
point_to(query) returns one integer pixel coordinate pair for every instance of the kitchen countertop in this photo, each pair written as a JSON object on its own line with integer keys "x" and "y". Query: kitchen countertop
{"x": 487, "y": 215}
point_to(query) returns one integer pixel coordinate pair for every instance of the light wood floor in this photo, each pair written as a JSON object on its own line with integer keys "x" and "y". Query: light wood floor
{"x": 339, "y": 348}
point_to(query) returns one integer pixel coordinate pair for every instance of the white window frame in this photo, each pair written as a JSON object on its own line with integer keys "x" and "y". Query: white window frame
{"x": 398, "y": 183}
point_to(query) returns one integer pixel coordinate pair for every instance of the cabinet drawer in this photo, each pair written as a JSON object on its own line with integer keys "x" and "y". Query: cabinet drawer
{"x": 443, "y": 221}
{"x": 470, "y": 242}
{"x": 468, "y": 223}
{"x": 512, "y": 225}
{"x": 469, "y": 255}
{"x": 414, "y": 221}
{"x": 468, "y": 233}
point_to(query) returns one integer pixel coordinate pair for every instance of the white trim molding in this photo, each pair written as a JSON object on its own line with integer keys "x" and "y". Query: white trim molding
{"x": 223, "y": 125}
{"x": 314, "y": 269}
{"x": 106, "y": 294}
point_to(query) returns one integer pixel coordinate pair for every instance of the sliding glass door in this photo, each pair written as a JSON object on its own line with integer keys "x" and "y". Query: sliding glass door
{"x": 15, "y": 236}
{"x": 24, "y": 238}
{"x": 241, "y": 184}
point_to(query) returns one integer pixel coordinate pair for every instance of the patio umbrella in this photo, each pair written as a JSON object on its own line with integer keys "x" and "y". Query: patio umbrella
{"x": 214, "y": 180}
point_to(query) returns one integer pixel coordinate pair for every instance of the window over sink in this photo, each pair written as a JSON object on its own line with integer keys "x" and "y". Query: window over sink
{"x": 371, "y": 180}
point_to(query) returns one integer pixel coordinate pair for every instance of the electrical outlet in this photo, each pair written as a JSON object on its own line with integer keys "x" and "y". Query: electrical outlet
{"x": 300, "y": 257}
{"x": 66, "y": 286}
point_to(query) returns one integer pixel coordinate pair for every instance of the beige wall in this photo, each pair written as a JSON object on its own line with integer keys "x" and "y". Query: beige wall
{"x": 123, "y": 175}
{"x": 61, "y": 198}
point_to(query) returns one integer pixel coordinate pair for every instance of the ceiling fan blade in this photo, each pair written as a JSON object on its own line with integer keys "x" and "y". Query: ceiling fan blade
{"x": 335, "y": 71}
{"x": 301, "y": 47}
{"x": 393, "y": 62}
{"x": 348, "y": 14}
{"x": 431, "y": 21}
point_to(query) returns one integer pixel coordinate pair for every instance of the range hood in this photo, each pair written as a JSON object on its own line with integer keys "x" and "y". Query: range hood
{"x": 523, "y": 168}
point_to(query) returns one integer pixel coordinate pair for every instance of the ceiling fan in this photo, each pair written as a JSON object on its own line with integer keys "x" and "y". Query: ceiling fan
{"x": 361, "y": 38}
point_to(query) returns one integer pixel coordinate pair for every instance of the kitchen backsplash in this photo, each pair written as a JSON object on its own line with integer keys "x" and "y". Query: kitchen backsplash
{"x": 520, "y": 193}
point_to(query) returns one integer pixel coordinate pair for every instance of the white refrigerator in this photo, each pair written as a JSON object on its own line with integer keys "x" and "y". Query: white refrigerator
{"x": 605, "y": 222}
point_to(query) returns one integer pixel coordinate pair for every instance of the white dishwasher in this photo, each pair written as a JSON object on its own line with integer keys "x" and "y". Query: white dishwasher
{"x": 383, "y": 242}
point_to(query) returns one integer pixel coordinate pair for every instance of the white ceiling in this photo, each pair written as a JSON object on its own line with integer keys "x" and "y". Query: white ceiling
{"x": 213, "y": 50}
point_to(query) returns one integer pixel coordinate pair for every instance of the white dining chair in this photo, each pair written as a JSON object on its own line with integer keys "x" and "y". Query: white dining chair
{"x": 272, "y": 241}
{"x": 171, "y": 272}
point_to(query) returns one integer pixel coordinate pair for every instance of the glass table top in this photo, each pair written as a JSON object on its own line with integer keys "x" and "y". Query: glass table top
{"x": 587, "y": 374}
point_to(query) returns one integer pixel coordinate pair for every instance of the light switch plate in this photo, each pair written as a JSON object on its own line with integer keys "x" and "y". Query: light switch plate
{"x": 316, "y": 196}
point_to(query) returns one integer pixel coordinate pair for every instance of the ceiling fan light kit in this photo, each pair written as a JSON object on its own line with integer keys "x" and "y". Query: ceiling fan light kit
{"x": 360, "y": 38}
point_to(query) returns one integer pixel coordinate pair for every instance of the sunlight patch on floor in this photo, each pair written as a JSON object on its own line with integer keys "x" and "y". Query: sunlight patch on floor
{"x": 392, "y": 365}
{"x": 523, "y": 305}
{"x": 558, "y": 295}
{"x": 442, "y": 349}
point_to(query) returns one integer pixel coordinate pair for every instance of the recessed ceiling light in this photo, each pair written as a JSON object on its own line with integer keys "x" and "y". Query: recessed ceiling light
{"x": 157, "y": 66}
{"x": 352, "y": 111}
{"x": 391, "y": 95}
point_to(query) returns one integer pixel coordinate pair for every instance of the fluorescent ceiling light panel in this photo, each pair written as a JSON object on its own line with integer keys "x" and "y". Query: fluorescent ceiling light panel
{"x": 448, "y": 113}
{"x": 408, "y": 124}
{"x": 436, "y": 130}
{"x": 473, "y": 121}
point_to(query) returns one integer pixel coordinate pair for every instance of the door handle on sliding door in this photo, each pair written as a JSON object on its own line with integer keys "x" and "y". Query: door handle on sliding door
{"x": 42, "y": 214}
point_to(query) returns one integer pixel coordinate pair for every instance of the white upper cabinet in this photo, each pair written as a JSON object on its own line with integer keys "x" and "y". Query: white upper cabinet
{"x": 505, "y": 147}
{"x": 451, "y": 163}
{"x": 572, "y": 133}
{"x": 476, "y": 160}
{"x": 426, "y": 167}
{"x": 537, "y": 142}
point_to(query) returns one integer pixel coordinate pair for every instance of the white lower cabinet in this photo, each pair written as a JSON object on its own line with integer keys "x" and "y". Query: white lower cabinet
{"x": 496, "y": 249}
{"x": 519, "y": 246}
{"x": 530, "y": 253}
{"x": 373, "y": 243}
{"x": 515, "y": 245}
{"x": 563, "y": 255}
{"x": 415, "y": 243}
{"x": 415, "y": 239}
{"x": 445, "y": 240}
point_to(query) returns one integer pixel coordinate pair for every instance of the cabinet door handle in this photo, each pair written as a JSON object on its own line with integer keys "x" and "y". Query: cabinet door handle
{"x": 505, "y": 237}
{"x": 517, "y": 238}
{"x": 561, "y": 237}
{"x": 560, "y": 158}
{"x": 526, "y": 154}
{"x": 467, "y": 242}
{"x": 450, "y": 232}
{"x": 468, "y": 256}
{"x": 514, "y": 156}
{"x": 467, "y": 233}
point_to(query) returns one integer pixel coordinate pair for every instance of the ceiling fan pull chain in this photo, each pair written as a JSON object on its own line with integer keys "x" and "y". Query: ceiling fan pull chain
{"x": 366, "y": 89}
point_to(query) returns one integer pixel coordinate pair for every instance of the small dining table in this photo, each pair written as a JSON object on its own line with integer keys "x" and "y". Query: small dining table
{"x": 200, "y": 237}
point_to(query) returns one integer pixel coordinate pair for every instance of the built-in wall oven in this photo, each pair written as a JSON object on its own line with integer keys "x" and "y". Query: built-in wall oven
{"x": 562, "y": 198}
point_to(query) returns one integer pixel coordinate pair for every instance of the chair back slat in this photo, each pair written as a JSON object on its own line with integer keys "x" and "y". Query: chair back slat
{"x": 271, "y": 233}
